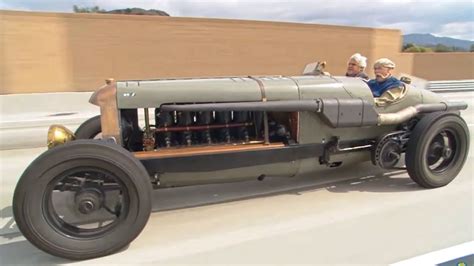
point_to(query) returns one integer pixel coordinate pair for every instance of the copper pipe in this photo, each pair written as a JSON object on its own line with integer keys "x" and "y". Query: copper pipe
{"x": 261, "y": 86}
{"x": 203, "y": 127}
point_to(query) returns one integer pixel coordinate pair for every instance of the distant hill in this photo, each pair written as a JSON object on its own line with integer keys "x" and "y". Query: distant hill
{"x": 138, "y": 11}
{"x": 431, "y": 40}
{"x": 124, "y": 11}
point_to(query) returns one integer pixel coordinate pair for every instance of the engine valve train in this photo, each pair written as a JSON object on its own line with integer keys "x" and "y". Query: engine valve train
{"x": 206, "y": 128}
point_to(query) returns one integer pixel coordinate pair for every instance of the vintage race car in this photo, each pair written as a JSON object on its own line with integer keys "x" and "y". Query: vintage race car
{"x": 89, "y": 194}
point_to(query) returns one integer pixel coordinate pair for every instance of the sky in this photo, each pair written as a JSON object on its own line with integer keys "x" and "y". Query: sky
{"x": 447, "y": 18}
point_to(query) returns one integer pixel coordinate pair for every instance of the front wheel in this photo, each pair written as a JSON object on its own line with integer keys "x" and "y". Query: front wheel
{"x": 90, "y": 129}
{"x": 84, "y": 199}
{"x": 437, "y": 149}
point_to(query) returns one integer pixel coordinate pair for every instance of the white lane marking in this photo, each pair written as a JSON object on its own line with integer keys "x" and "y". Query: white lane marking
{"x": 440, "y": 256}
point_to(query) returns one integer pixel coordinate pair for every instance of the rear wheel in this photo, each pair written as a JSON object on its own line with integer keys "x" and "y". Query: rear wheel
{"x": 437, "y": 149}
{"x": 84, "y": 199}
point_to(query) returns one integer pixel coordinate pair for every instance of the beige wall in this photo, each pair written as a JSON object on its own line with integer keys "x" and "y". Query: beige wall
{"x": 443, "y": 66}
{"x": 47, "y": 52}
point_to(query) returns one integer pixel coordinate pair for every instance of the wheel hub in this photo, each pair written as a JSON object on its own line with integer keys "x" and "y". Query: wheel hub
{"x": 447, "y": 152}
{"x": 441, "y": 151}
{"x": 89, "y": 200}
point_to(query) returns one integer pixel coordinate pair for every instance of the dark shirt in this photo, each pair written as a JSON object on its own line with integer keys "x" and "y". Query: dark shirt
{"x": 378, "y": 88}
{"x": 361, "y": 75}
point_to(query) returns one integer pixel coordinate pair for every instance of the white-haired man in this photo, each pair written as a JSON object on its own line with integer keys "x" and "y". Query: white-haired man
{"x": 383, "y": 77}
{"x": 356, "y": 66}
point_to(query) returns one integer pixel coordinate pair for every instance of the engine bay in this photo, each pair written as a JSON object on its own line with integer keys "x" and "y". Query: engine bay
{"x": 160, "y": 130}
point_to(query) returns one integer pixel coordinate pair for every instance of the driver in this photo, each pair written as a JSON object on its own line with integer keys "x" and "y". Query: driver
{"x": 356, "y": 66}
{"x": 383, "y": 77}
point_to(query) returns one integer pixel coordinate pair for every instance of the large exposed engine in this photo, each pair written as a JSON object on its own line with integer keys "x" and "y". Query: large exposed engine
{"x": 185, "y": 129}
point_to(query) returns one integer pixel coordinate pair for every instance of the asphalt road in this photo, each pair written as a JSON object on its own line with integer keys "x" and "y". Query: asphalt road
{"x": 356, "y": 215}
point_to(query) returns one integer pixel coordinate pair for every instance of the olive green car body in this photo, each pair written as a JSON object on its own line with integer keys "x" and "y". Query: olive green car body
{"x": 311, "y": 127}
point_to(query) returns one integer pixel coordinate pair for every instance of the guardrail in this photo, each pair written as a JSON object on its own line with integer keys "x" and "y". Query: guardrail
{"x": 25, "y": 118}
{"x": 451, "y": 85}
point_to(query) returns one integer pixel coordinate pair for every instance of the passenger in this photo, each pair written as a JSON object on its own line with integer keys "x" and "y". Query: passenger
{"x": 383, "y": 78}
{"x": 356, "y": 66}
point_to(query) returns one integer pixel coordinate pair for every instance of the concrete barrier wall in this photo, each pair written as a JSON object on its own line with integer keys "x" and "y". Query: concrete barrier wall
{"x": 25, "y": 118}
{"x": 59, "y": 52}
{"x": 443, "y": 66}
{"x": 50, "y": 52}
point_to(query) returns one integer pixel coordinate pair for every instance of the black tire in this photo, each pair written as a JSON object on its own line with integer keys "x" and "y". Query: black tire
{"x": 48, "y": 221}
{"x": 437, "y": 149}
{"x": 89, "y": 129}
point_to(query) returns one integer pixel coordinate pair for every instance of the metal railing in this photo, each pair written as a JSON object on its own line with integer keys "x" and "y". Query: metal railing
{"x": 451, "y": 85}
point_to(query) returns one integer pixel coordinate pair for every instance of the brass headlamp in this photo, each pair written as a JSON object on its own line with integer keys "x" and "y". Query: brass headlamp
{"x": 58, "y": 135}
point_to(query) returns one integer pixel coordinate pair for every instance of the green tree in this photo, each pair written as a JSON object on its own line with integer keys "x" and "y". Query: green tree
{"x": 413, "y": 48}
{"x": 408, "y": 46}
{"x": 93, "y": 9}
{"x": 472, "y": 48}
{"x": 440, "y": 48}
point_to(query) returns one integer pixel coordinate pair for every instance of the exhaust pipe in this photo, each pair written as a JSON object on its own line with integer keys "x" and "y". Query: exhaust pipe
{"x": 412, "y": 111}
